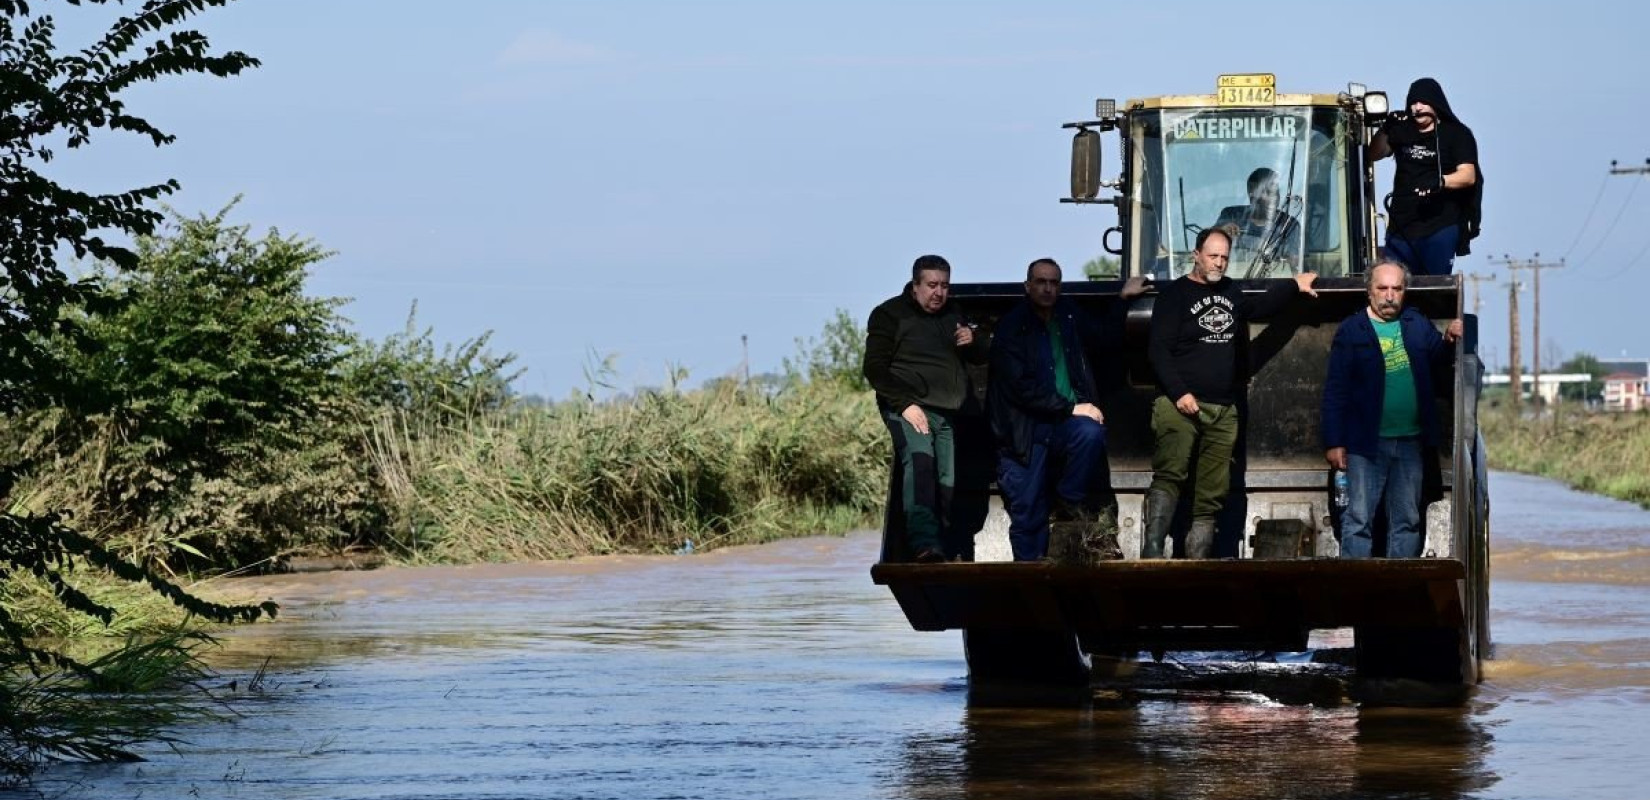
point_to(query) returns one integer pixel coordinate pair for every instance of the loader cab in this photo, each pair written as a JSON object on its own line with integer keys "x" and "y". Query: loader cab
{"x": 1283, "y": 174}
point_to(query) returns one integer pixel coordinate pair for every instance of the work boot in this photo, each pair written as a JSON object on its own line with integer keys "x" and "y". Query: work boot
{"x": 1100, "y": 536}
{"x": 1200, "y": 540}
{"x": 1156, "y": 516}
{"x": 930, "y": 555}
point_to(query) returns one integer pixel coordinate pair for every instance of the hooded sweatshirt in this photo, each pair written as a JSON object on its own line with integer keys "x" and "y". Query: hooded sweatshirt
{"x": 1422, "y": 160}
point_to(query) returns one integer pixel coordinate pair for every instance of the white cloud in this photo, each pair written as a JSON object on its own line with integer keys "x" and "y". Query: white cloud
{"x": 539, "y": 46}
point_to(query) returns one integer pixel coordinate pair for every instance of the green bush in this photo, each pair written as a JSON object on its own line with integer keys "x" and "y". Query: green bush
{"x": 835, "y": 356}
{"x": 204, "y": 416}
{"x": 52, "y": 705}
{"x": 409, "y": 374}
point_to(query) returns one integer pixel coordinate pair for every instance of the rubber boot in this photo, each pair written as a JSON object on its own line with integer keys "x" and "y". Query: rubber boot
{"x": 1157, "y": 515}
{"x": 1200, "y": 540}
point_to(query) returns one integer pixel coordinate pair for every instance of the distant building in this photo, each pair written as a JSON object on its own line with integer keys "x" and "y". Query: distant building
{"x": 1636, "y": 366}
{"x": 1626, "y": 384}
{"x": 1550, "y": 383}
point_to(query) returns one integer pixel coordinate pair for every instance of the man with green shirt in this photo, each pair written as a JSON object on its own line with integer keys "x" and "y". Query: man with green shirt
{"x": 1380, "y": 413}
{"x": 915, "y": 344}
{"x": 1045, "y": 417}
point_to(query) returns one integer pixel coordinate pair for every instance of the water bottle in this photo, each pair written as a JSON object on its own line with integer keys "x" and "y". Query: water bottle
{"x": 1341, "y": 495}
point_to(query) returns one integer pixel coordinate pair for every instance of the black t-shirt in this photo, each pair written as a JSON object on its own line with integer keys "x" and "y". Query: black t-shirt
{"x": 1420, "y": 157}
{"x": 1200, "y": 332}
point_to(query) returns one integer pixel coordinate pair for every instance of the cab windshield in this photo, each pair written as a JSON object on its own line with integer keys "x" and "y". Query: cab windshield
{"x": 1274, "y": 179}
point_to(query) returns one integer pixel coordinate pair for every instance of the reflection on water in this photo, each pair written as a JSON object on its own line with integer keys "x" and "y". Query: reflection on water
{"x": 1218, "y": 746}
{"x": 781, "y": 671}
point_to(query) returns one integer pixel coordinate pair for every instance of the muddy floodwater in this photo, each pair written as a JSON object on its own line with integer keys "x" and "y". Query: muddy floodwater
{"x": 781, "y": 671}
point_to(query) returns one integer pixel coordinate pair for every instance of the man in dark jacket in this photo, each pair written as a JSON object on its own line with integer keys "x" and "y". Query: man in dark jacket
{"x": 915, "y": 343}
{"x": 1379, "y": 412}
{"x": 1198, "y": 347}
{"x": 1050, "y": 432}
{"x": 1436, "y": 185}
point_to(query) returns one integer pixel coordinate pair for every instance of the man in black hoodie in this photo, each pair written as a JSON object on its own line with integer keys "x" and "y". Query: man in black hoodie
{"x": 915, "y": 343}
{"x": 1436, "y": 185}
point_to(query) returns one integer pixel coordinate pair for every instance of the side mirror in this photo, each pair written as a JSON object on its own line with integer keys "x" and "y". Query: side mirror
{"x": 1085, "y": 164}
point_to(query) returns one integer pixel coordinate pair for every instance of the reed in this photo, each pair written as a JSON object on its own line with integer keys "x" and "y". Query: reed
{"x": 1606, "y": 454}
{"x": 717, "y": 466}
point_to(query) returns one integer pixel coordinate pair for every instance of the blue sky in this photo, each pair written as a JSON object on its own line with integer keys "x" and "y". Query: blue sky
{"x": 652, "y": 180}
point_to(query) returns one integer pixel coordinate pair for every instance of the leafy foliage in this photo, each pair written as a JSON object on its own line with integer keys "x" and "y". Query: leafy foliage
{"x": 1102, "y": 268}
{"x": 1582, "y": 362}
{"x": 49, "y": 99}
{"x": 45, "y": 710}
{"x": 409, "y": 374}
{"x": 210, "y": 373}
{"x": 835, "y": 356}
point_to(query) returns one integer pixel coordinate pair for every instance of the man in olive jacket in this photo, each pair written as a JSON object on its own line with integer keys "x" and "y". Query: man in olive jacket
{"x": 915, "y": 344}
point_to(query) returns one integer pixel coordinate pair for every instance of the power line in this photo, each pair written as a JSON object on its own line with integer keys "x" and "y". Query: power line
{"x": 1607, "y": 231}
{"x": 1629, "y": 265}
{"x": 1615, "y": 170}
{"x": 1602, "y": 183}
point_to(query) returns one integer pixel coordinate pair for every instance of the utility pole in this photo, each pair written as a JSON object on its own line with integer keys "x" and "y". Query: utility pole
{"x": 745, "y": 361}
{"x": 1536, "y": 266}
{"x": 1477, "y": 297}
{"x": 1644, "y": 170}
{"x": 1515, "y": 378}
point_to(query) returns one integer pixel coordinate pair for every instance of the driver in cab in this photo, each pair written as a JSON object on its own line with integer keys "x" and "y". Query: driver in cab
{"x": 1262, "y": 233}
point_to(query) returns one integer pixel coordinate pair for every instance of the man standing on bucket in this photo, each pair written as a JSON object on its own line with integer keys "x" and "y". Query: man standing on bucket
{"x": 1198, "y": 346}
{"x": 915, "y": 344}
{"x": 1379, "y": 411}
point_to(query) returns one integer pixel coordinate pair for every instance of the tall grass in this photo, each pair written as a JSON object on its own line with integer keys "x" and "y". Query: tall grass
{"x": 134, "y": 693}
{"x": 717, "y": 466}
{"x": 1607, "y": 454}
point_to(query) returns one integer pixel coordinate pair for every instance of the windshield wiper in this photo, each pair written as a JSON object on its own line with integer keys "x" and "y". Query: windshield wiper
{"x": 1276, "y": 234}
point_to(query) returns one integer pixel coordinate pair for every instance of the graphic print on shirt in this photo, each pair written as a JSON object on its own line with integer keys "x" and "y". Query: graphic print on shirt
{"x": 1214, "y": 314}
{"x": 1393, "y": 353}
{"x": 1420, "y": 152}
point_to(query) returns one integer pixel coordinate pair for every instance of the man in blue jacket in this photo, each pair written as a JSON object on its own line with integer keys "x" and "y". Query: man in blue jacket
{"x": 1379, "y": 411}
{"x": 1050, "y": 432}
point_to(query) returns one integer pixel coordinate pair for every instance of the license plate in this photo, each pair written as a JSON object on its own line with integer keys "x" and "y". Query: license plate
{"x": 1255, "y": 89}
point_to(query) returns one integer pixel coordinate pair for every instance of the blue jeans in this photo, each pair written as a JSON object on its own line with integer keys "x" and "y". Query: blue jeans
{"x": 1076, "y": 450}
{"x": 1395, "y": 474}
{"x": 1433, "y": 254}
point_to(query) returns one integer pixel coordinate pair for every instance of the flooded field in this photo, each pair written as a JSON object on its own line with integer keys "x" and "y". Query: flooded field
{"x": 780, "y": 671}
